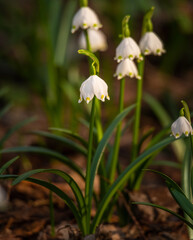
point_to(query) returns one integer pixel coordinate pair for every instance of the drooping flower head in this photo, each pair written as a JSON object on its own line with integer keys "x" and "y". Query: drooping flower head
{"x": 128, "y": 48}
{"x": 181, "y": 126}
{"x": 126, "y": 68}
{"x": 97, "y": 40}
{"x": 85, "y": 18}
{"x": 151, "y": 44}
{"x": 93, "y": 86}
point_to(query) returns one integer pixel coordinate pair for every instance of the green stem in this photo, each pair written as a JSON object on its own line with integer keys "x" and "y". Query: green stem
{"x": 187, "y": 179}
{"x": 83, "y": 3}
{"x": 88, "y": 167}
{"x": 137, "y": 111}
{"x": 98, "y": 109}
{"x": 98, "y": 121}
{"x": 118, "y": 135}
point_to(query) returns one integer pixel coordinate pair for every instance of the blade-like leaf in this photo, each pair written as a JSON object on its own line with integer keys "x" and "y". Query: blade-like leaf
{"x": 167, "y": 179}
{"x": 103, "y": 143}
{"x": 123, "y": 178}
{"x": 73, "y": 185}
{"x": 15, "y": 128}
{"x": 182, "y": 200}
{"x": 167, "y": 163}
{"x": 165, "y": 120}
{"x": 186, "y": 171}
{"x": 71, "y": 134}
{"x": 7, "y": 164}
{"x": 47, "y": 152}
{"x": 165, "y": 209}
{"x": 67, "y": 141}
{"x": 54, "y": 189}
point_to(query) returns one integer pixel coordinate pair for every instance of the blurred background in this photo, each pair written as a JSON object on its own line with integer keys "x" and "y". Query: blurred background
{"x": 41, "y": 71}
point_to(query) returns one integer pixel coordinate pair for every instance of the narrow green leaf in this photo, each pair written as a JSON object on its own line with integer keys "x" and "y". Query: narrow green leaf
{"x": 7, "y": 164}
{"x": 73, "y": 185}
{"x": 167, "y": 179}
{"x": 60, "y": 57}
{"x": 182, "y": 200}
{"x": 102, "y": 145}
{"x": 157, "y": 108}
{"x": 71, "y": 134}
{"x": 166, "y": 121}
{"x": 15, "y": 128}
{"x": 166, "y": 163}
{"x": 67, "y": 141}
{"x": 57, "y": 191}
{"x": 165, "y": 209}
{"x": 186, "y": 171}
{"x": 145, "y": 137}
{"x": 123, "y": 178}
{"x": 47, "y": 152}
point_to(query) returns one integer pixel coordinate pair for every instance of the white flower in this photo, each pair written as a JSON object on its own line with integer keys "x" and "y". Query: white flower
{"x": 85, "y": 18}
{"x": 94, "y": 85}
{"x": 128, "y": 48}
{"x": 180, "y": 126}
{"x": 151, "y": 44}
{"x": 97, "y": 40}
{"x": 126, "y": 68}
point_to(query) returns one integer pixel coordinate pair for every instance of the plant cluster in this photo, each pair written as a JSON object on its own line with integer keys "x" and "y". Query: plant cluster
{"x": 131, "y": 62}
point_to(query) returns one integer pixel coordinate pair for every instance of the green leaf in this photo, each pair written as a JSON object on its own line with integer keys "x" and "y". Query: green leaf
{"x": 57, "y": 191}
{"x": 73, "y": 185}
{"x": 157, "y": 108}
{"x": 182, "y": 200}
{"x": 7, "y": 164}
{"x": 165, "y": 120}
{"x": 123, "y": 178}
{"x": 47, "y": 152}
{"x": 71, "y": 134}
{"x": 177, "y": 194}
{"x": 165, "y": 209}
{"x": 15, "y": 128}
{"x": 60, "y": 56}
{"x": 167, "y": 179}
{"x": 67, "y": 141}
{"x": 186, "y": 170}
{"x": 102, "y": 145}
{"x": 167, "y": 163}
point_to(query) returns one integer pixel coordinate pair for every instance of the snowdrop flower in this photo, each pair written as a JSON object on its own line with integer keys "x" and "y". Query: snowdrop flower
{"x": 151, "y": 44}
{"x": 126, "y": 68}
{"x": 97, "y": 40}
{"x": 85, "y": 18}
{"x": 128, "y": 48}
{"x": 180, "y": 126}
{"x": 94, "y": 85}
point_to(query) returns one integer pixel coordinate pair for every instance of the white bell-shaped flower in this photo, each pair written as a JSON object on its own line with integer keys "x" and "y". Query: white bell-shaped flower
{"x": 180, "y": 126}
{"x": 85, "y": 18}
{"x": 94, "y": 85}
{"x": 126, "y": 68}
{"x": 128, "y": 48}
{"x": 97, "y": 39}
{"x": 151, "y": 44}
